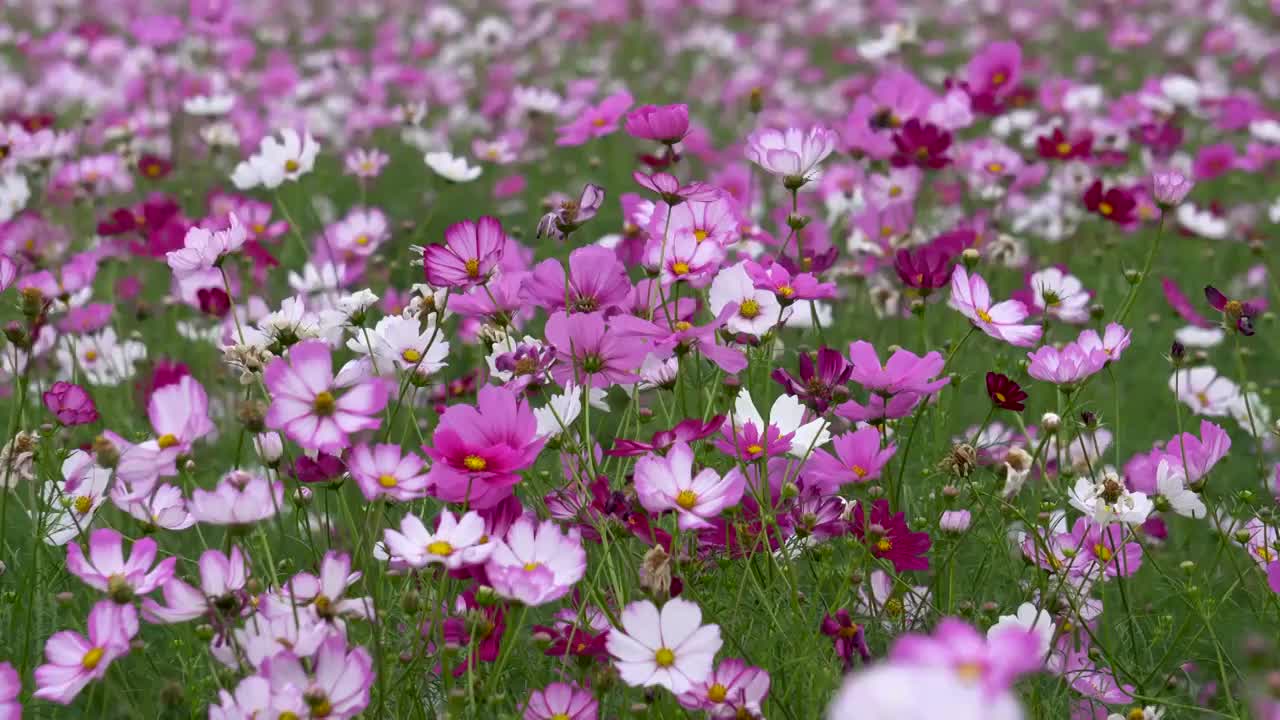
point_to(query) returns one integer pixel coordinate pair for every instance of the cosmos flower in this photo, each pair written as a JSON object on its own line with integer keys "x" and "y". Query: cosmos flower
{"x": 1005, "y": 393}
{"x": 106, "y": 570}
{"x": 75, "y": 660}
{"x": 240, "y": 499}
{"x": 971, "y": 296}
{"x": 1115, "y": 204}
{"x": 670, "y": 649}
{"x": 453, "y": 168}
{"x": 561, "y": 701}
{"x": 536, "y": 565}
{"x": 733, "y": 688}
{"x": 471, "y": 252}
{"x": 455, "y": 543}
{"x": 792, "y": 154}
{"x": 277, "y": 161}
{"x": 758, "y": 310}
{"x": 70, "y": 404}
{"x": 670, "y": 484}
{"x": 859, "y": 457}
{"x": 384, "y": 470}
{"x": 304, "y": 403}
{"x": 1107, "y": 500}
{"x": 595, "y": 121}
{"x": 591, "y": 352}
{"x": 667, "y": 124}
{"x": 479, "y": 451}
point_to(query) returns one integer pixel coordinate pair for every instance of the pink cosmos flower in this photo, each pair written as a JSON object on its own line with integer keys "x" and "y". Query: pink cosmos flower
{"x": 365, "y": 164}
{"x": 1067, "y": 366}
{"x": 8, "y": 272}
{"x": 70, "y": 404}
{"x": 1199, "y": 454}
{"x": 304, "y": 406}
{"x": 536, "y": 566}
{"x": 672, "y": 192}
{"x": 73, "y": 660}
{"x": 384, "y": 471}
{"x": 734, "y": 689}
{"x": 179, "y": 415}
{"x": 1096, "y": 548}
{"x": 479, "y": 451}
{"x": 471, "y": 252}
{"x": 669, "y": 484}
{"x": 792, "y": 154}
{"x": 905, "y": 372}
{"x": 906, "y": 690}
{"x": 995, "y": 70}
{"x": 204, "y": 249}
{"x": 685, "y": 259}
{"x": 327, "y": 591}
{"x": 561, "y": 701}
{"x": 667, "y": 124}
{"x": 1112, "y": 342}
{"x": 10, "y": 688}
{"x": 595, "y": 121}
{"x": 858, "y": 458}
{"x": 222, "y": 579}
{"x": 165, "y": 507}
{"x": 787, "y": 286}
{"x": 455, "y": 543}
{"x": 336, "y": 679}
{"x": 107, "y": 571}
{"x": 671, "y": 649}
{"x": 240, "y": 498}
{"x": 971, "y": 296}
{"x": 683, "y": 336}
{"x": 994, "y": 663}
{"x": 591, "y": 352}
{"x": 597, "y": 281}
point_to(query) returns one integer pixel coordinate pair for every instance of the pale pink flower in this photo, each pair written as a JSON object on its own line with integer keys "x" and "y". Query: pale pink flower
{"x": 386, "y": 471}
{"x": 1002, "y": 321}
{"x": 536, "y": 565}
{"x": 455, "y": 542}
{"x": 671, "y": 649}
{"x": 304, "y": 404}
{"x": 107, "y": 571}
{"x": 669, "y": 484}
{"x": 74, "y": 660}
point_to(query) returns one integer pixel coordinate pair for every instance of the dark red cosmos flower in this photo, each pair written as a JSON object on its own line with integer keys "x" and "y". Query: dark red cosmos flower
{"x": 924, "y": 145}
{"x": 688, "y": 431}
{"x": 925, "y": 269}
{"x": 154, "y": 167}
{"x": 152, "y": 213}
{"x": 848, "y": 636}
{"x": 1116, "y": 204}
{"x": 888, "y": 536}
{"x": 473, "y": 625}
{"x": 1237, "y": 313}
{"x": 214, "y": 301}
{"x": 1162, "y": 138}
{"x": 324, "y": 467}
{"x": 810, "y": 262}
{"x": 1056, "y": 146}
{"x": 818, "y": 384}
{"x": 1005, "y": 393}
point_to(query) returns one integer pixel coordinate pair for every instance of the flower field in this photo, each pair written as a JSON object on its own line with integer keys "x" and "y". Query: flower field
{"x": 593, "y": 359}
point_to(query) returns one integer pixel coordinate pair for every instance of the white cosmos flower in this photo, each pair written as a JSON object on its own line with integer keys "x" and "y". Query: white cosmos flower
{"x": 1202, "y": 222}
{"x": 14, "y": 194}
{"x": 1181, "y": 90}
{"x": 671, "y": 648}
{"x": 1205, "y": 391}
{"x": 1171, "y": 484}
{"x": 1060, "y": 295}
{"x": 396, "y": 343}
{"x": 1253, "y": 417}
{"x": 1265, "y": 130}
{"x": 451, "y": 168}
{"x": 276, "y": 161}
{"x": 1198, "y": 337}
{"x": 787, "y": 414}
{"x": 76, "y": 499}
{"x": 1030, "y": 618}
{"x": 757, "y": 309}
{"x": 563, "y": 409}
{"x": 537, "y": 100}
{"x": 209, "y": 105}
{"x": 1107, "y": 500}
{"x": 101, "y": 358}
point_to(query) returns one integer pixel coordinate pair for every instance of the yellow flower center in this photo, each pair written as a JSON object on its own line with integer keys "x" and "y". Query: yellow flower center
{"x": 1064, "y": 148}
{"x": 969, "y": 671}
{"x": 786, "y": 291}
{"x": 559, "y": 716}
{"x": 894, "y": 191}
{"x": 291, "y": 165}
{"x": 1265, "y": 553}
{"x": 473, "y": 268}
{"x": 362, "y": 239}
{"x": 884, "y": 545}
{"x": 998, "y": 78}
{"x": 986, "y": 317}
{"x": 411, "y": 355}
{"x": 531, "y": 566}
{"x": 90, "y": 355}
{"x": 680, "y": 268}
{"x": 92, "y": 658}
{"x": 288, "y": 715}
{"x": 755, "y": 449}
{"x": 664, "y": 658}
{"x": 441, "y": 548}
{"x": 717, "y": 693}
{"x": 687, "y": 499}
{"x": 1000, "y": 397}
{"x": 886, "y": 230}
{"x": 83, "y": 504}
{"x": 1103, "y": 552}
{"x": 258, "y": 228}
{"x": 699, "y": 234}
{"x": 682, "y": 325}
{"x": 749, "y": 309}
{"x": 151, "y": 170}
{"x": 474, "y": 463}
{"x": 598, "y": 122}
{"x": 166, "y": 441}
{"x": 1202, "y": 397}
{"x": 1137, "y": 714}
{"x": 324, "y": 404}
{"x": 388, "y": 481}
{"x": 1105, "y": 208}
{"x": 995, "y": 167}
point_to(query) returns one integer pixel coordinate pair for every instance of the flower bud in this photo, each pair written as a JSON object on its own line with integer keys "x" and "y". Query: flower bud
{"x": 755, "y": 100}
{"x": 1089, "y": 418}
{"x": 32, "y": 302}
{"x": 105, "y": 452}
{"x": 1187, "y": 566}
{"x": 797, "y": 222}
{"x": 955, "y": 521}
{"x": 1051, "y": 422}
{"x": 410, "y": 602}
{"x": 970, "y": 257}
{"x": 269, "y": 446}
{"x": 252, "y": 414}
{"x": 486, "y": 596}
{"x": 1097, "y": 311}
{"x": 1133, "y": 277}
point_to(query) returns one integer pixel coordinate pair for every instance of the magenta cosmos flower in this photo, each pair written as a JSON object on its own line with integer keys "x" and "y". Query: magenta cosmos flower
{"x": 304, "y": 404}
{"x": 669, "y": 484}
{"x": 75, "y": 660}
{"x": 596, "y": 281}
{"x": 10, "y": 689}
{"x": 479, "y": 451}
{"x": 536, "y": 565}
{"x": 592, "y": 353}
{"x": 858, "y": 458}
{"x": 386, "y": 471}
{"x": 71, "y": 404}
{"x": 595, "y": 121}
{"x": 107, "y": 571}
{"x": 887, "y": 535}
{"x": 792, "y": 154}
{"x": 470, "y": 254}
{"x": 667, "y": 124}
{"x": 905, "y": 372}
{"x": 1002, "y": 321}
{"x": 734, "y": 689}
{"x": 561, "y": 701}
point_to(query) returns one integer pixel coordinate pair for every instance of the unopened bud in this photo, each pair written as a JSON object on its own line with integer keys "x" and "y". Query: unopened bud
{"x": 755, "y": 100}
{"x": 1089, "y": 418}
{"x": 970, "y": 257}
{"x": 105, "y": 452}
{"x": 1050, "y": 422}
{"x": 486, "y": 596}
{"x": 1097, "y": 311}
{"x": 797, "y": 222}
{"x": 410, "y": 602}
{"x": 252, "y": 414}
{"x": 1133, "y": 277}
{"x": 32, "y": 302}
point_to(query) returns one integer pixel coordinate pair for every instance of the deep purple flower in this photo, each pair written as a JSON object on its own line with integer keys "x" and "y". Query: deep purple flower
{"x": 925, "y": 269}
{"x": 887, "y": 535}
{"x": 1116, "y": 204}
{"x": 924, "y": 145}
{"x": 1005, "y": 393}
{"x": 214, "y": 301}
{"x": 323, "y": 468}
{"x": 848, "y": 637}
{"x": 71, "y": 404}
{"x": 1237, "y": 313}
{"x": 687, "y": 431}
{"x": 817, "y": 384}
